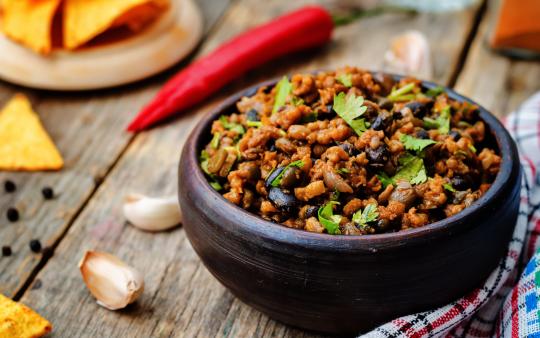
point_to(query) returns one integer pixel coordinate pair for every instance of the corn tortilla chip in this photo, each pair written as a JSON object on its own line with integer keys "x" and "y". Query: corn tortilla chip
{"x": 24, "y": 143}
{"x": 84, "y": 19}
{"x": 29, "y": 22}
{"x": 18, "y": 320}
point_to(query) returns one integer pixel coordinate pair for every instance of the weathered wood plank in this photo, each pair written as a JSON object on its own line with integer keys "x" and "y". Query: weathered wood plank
{"x": 88, "y": 128}
{"x": 497, "y": 82}
{"x": 182, "y": 299}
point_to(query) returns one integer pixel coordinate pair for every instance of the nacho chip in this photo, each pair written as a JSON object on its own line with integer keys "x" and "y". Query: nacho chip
{"x": 85, "y": 19}
{"x": 24, "y": 143}
{"x": 18, "y": 320}
{"x": 30, "y": 22}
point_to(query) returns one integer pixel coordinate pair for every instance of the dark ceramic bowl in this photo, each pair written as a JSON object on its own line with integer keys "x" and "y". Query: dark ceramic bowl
{"x": 347, "y": 284}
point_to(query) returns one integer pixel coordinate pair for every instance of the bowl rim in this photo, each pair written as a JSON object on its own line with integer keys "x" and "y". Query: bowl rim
{"x": 250, "y": 223}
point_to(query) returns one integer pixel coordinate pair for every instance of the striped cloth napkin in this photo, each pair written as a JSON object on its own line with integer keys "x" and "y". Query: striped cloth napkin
{"x": 507, "y": 304}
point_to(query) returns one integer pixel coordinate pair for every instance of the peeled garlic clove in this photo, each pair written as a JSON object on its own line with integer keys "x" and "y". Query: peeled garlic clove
{"x": 409, "y": 54}
{"x": 152, "y": 214}
{"x": 112, "y": 282}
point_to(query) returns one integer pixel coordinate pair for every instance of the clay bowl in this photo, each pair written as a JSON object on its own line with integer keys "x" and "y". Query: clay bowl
{"x": 347, "y": 284}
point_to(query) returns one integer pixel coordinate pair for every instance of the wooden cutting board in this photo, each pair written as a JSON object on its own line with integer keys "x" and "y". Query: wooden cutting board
{"x": 158, "y": 47}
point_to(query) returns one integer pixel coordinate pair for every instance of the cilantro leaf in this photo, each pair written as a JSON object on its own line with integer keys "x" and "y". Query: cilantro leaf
{"x": 415, "y": 144}
{"x": 403, "y": 93}
{"x": 328, "y": 219}
{"x": 349, "y": 108}
{"x": 215, "y": 140}
{"x": 472, "y": 148}
{"x": 442, "y": 123}
{"x": 277, "y": 181}
{"x": 345, "y": 79}
{"x": 411, "y": 169}
{"x": 256, "y": 124}
{"x": 385, "y": 179}
{"x": 369, "y": 214}
{"x": 435, "y": 91}
{"x": 449, "y": 187}
{"x": 283, "y": 89}
{"x": 237, "y": 127}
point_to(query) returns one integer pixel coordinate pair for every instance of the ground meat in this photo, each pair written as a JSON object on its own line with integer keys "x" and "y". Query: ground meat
{"x": 391, "y": 164}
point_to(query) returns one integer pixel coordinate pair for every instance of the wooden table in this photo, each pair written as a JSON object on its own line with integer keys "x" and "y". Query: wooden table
{"x": 104, "y": 163}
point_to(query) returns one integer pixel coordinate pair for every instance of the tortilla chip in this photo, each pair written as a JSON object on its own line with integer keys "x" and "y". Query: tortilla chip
{"x": 84, "y": 19}
{"x": 29, "y": 22}
{"x": 18, "y": 320}
{"x": 24, "y": 143}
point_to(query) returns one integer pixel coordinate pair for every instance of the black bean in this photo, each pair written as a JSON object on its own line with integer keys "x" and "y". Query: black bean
{"x": 291, "y": 177}
{"x": 349, "y": 149}
{"x": 35, "y": 245}
{"x": 377, "y": 157}
{"x": 6, "y": 251}
{"x": 329, "y": 108}
{"x": 386, "y": 81}
{"x": 455, "y": 135}
{"x": 312, "y": 211}
{"x": 273, "y": 176}
{"x": 9, "y": 186}
{"x": 385, "y": 103}
{"x": 253, "y": 115}
{"x": 460, "y": 183}
{"x": 271, "y": 144}
{"x": 383, "y": 224}
{"x": 283, "y": 201}
{"x": 422, "y": 134}
{"x": 420, "y": 108}
{"x": 382, "y": 121}
{"x": 12, "y": 215}
{"x": 47, "y": 192}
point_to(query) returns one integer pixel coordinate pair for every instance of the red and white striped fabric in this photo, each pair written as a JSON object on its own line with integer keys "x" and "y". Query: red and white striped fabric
{"x": 507, "y": 304}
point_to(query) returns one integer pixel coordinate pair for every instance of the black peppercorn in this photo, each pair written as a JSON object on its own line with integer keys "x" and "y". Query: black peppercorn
{"x": 6, "y": 251}
{"x": 35, "y": 246}
{"x": 47, "y": 193}
{"x": 9, "y": 186}
{"x": 12, "y": 215}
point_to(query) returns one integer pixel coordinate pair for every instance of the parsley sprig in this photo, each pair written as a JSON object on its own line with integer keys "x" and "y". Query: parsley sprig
{"x": 411, "y": 169}
{"x": 350, "y": 108}
{"x": 370, "y": 214}
{"x": 415, "y": 144}
{"x": 328, "y": 219}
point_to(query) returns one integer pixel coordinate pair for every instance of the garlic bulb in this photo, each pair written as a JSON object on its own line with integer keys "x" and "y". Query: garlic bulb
{"x": 409, "y": 54}
{"x": 152, "y": 214}
{"x": 114, "y": 284}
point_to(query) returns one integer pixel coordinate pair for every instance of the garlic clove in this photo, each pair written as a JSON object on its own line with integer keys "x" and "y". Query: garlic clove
{"x": 152, "y": 214}
{"x": 112, "y": 282}
{"x": 409, "y": 54}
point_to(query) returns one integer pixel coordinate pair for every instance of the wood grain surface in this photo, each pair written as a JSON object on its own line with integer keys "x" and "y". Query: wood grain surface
{"x": 88, "y": 128}
{"x": 181, "y": 298}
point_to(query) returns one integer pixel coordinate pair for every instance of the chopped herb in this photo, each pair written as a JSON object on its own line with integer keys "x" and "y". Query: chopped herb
{"x": 215, "y": 140}
{"x": 385, "y": 179}
{"x": 472, "y": 148}
{"x": 442, "y": 123}
{"x": 310, "y": 118}
{"x": 435, "y": 91}
{"x": 362, "y": 218}
{"x": 411, "y": 169}
{"x": 403, "y": 93}
{"x": 297, "y": 101}
{"x": 282, "y": 132}
{"x": 449, "y": 187}
{"x": 335, "y": 195}
{"x": 345, "y": 79}
{"x": 349, "y": 108}
{"x": 235, "y": 149}
{"x": 461, "y": 153}
{"x": 283, "y": 89}
{"x": 277, "y": 181}
{"x": 343, "y": 171}
{"x": 204, "y": 166}
{"x": 237, "y": 127}
{"x": 328, "y": 219}
{"x": 415, "y": 144}
{"x": 256, "y": 124}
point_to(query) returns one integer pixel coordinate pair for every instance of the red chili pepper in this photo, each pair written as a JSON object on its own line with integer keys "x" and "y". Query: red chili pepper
{"x": 304, "y": 28}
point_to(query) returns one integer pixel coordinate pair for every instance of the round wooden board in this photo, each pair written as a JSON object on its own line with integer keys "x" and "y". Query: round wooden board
{"x": 158, "y": 47}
